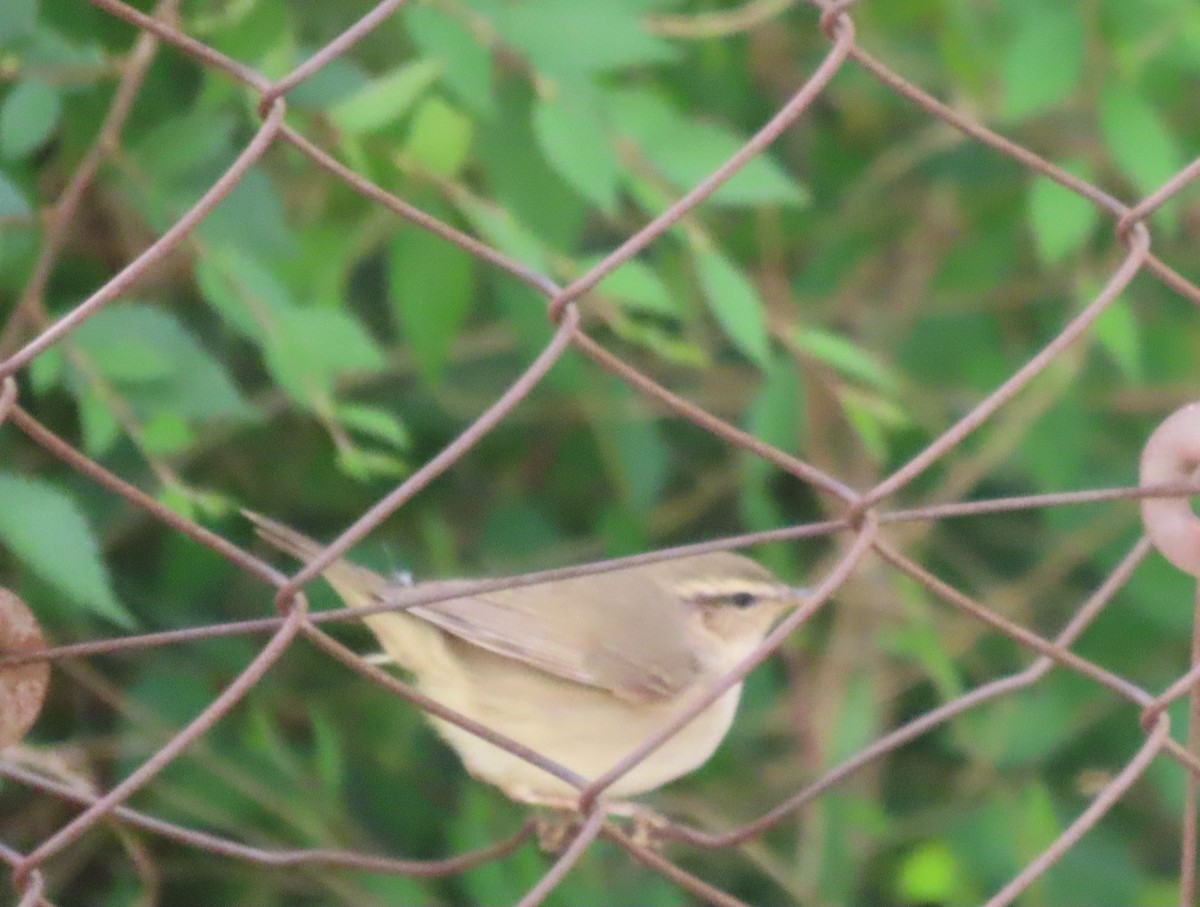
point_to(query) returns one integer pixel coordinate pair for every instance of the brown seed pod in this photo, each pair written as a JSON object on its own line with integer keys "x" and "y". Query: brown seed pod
{"x": 22, "y": 687}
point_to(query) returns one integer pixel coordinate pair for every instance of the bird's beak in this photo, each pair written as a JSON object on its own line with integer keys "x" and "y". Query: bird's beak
{"x": 794, "y": 597}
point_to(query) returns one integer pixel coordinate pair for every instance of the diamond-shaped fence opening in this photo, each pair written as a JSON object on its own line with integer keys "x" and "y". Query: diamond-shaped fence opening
{"x": 542, "y": 283}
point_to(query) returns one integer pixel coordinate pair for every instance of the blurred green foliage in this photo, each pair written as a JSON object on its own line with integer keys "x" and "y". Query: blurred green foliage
{"x": 846, "y": 297}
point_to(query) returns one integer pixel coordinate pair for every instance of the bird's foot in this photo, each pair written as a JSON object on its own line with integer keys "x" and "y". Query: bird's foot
{"x": 561, "y": 819}
{"x": 555, "y": 828}
{"x": 645, "y": 824}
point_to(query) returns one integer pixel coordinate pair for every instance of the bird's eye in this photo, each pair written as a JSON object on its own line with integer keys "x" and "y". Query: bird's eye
{"x": 742, "y": 599}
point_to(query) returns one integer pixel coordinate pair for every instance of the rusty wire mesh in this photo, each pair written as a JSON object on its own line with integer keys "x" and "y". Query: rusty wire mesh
{"x": 859, "y": 526}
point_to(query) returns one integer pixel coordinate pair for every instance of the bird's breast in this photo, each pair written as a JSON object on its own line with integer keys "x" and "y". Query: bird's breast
{"x": 585, "y": 729}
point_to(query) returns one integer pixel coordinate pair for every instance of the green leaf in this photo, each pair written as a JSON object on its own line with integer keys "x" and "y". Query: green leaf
{"x": 121, "y": 356}
{"x": 847, "y": 358}
{"x": 251, "y": 216}
{"x": 1101, "y": 868}
{"x": 642, "y": 459}
{"x": 1159, "y": 893}
{"x": 576, "y": 145}
{"x": 330, "y": 250}
{"x": 955, "y": 349}
{"x": 857, "y": 719}
{"x": 505, "y": 232}
{"x": 734, "y": 302}
{"x": 177, "y": 500}
{"x": 466, "y": 63}
{"x": 480, "y": 818}
{"x": 775, "y": 415}
{"x": 1137, "y": 139}
{"x": 1039, "y": 823}
{"x": 1026, "y": 727}
{"x": 47, "y": 369}
{"x": 45, "y": 529}
{"x": 565, "y": 38}
{"x": 439, "y": 137}
{"x": 49, "y": 49}
{"x": 664, "y": 342}
{"x": 637, "y": 287}
{"x": 432, "y": 285}
{"x": 686, "y": 150}
{"x": 510, "y": 530}
{"x": 17, "y": 20}
{"x": 367, "y": 465}
{"x": 97, "y": 423}
{"x": 158, "y": 366}
{"x": 776, "y": 412}
{"x": 518, "y": 177}
{"x": 918, "y": 636}
{"x": 245, "y": 293}
{"x": 396, "y": 889}
{"x": 375, "y": 423}
{"x": 871, "y": 416}
{"x": 328, "y": 753}
{"x": 254, "y": 32}
{"x": 180, "y": 150}
{"x": 335, "y": 81}
{"x": 1120, "y": 334}
{"x": 1044, "y": 62}
{"x": 167, "y": 433}
{"x": 28, "y": 116}
{"x": 931, "y": 873}
{"x": 1061, "y": 220}
{"x": 310, "y": 347}
{"x": 12, "y": 202}
{"x": 1056, "y": 447}
{"x": 386, "y": 99}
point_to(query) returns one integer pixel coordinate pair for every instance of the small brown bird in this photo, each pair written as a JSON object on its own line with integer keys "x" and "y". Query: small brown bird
{"x": 581, "y": 670}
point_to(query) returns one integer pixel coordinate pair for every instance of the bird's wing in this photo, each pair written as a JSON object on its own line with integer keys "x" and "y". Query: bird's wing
{"x": 634, "y": 643}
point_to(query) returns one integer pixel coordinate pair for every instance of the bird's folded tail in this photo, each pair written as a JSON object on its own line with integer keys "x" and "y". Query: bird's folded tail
{"x": 413, "y": 644}
{"x": 356, "y": 585}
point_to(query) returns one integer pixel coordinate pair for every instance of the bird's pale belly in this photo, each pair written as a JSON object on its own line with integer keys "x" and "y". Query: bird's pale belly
{"x": 582, "y": 728}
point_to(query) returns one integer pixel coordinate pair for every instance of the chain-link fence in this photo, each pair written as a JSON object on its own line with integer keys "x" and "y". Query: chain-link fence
{"x": 863, "y": 532}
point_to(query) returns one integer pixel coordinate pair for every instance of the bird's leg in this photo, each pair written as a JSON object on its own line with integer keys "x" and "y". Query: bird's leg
{"x": 646, "y": 824}
{"x": 554, "y": 828}
{"x": 556, "y": 819}
{"x": 561, "y": 819}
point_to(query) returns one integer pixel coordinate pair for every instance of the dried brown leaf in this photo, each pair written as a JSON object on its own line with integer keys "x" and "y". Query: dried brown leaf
{"x": 23, "y": 686}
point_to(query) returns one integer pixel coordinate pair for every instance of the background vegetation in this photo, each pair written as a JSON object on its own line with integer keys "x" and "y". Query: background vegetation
{"x": 847, "y": 297}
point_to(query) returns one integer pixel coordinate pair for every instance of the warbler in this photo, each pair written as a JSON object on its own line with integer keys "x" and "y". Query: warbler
{"x": 581, "y": 670}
